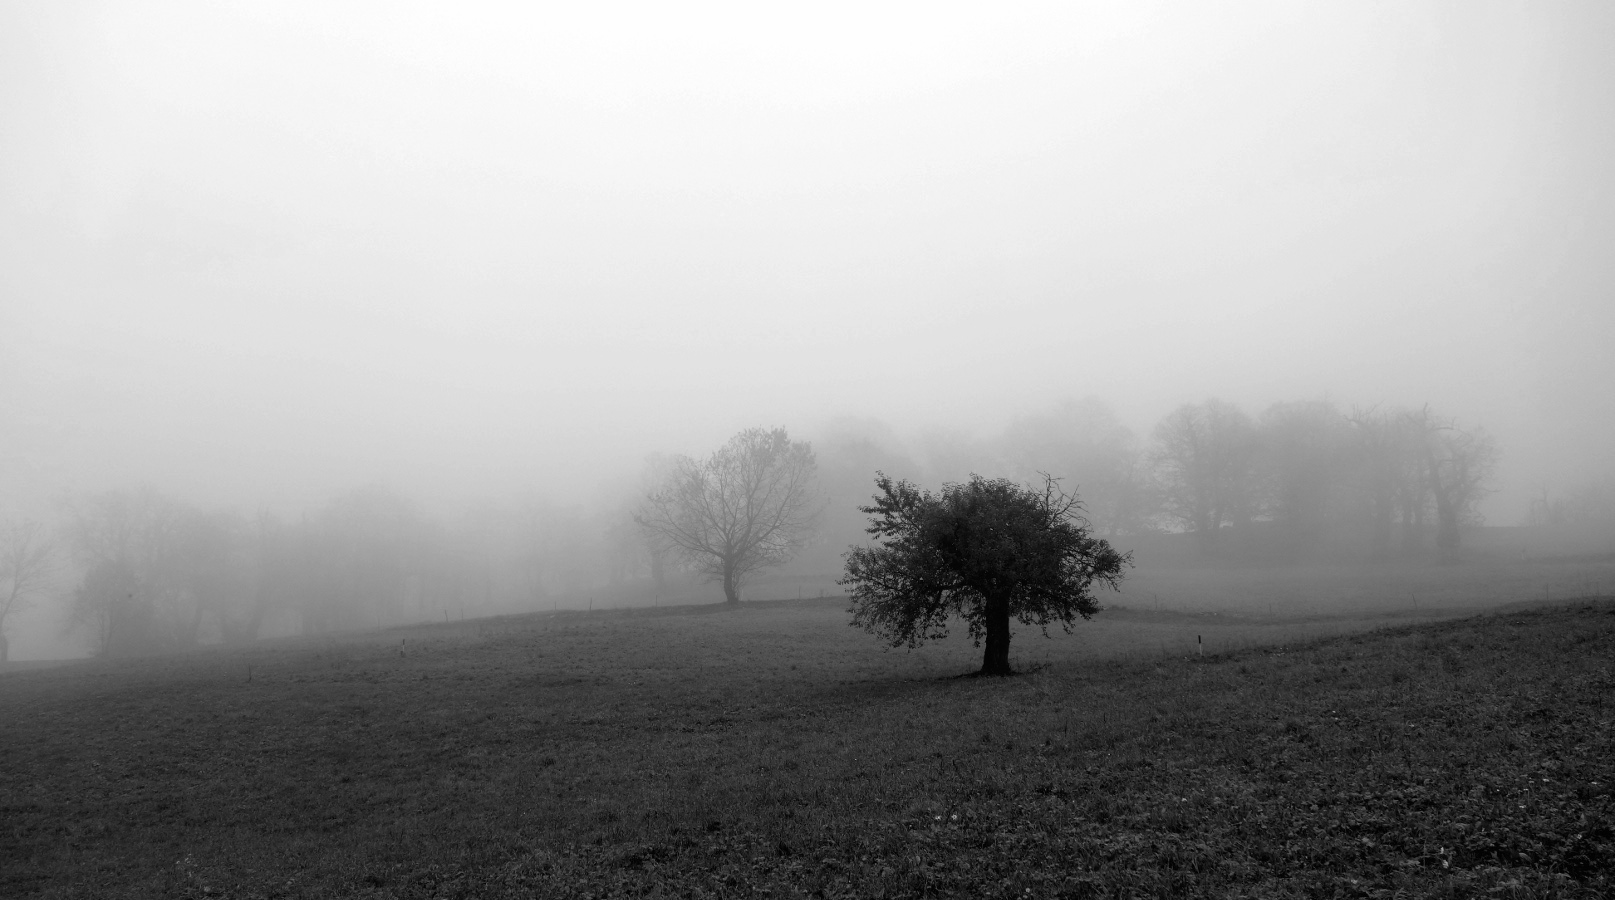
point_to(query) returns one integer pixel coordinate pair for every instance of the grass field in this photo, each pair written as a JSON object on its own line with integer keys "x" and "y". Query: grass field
{"x": 773, "y": 751}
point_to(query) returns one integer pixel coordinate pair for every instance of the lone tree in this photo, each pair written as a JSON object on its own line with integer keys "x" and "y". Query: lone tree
{"x": 985, "y": 550}
{"x": 747, "y": 507}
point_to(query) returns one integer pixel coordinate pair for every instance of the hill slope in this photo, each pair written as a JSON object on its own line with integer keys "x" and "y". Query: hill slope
{"x": 715, "y": 753}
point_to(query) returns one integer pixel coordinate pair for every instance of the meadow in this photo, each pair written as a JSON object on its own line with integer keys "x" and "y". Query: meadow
{"x": 771, "y": 750}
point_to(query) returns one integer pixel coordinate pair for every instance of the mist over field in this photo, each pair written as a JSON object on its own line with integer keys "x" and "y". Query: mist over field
{"x": 467, "y": 270}
{"x": 625, "y": 450}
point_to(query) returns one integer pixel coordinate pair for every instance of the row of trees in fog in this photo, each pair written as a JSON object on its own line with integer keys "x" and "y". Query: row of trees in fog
{"x": 1301, "y": 480}
{"x": 138, "y": 571}
{"x": 1362, "y": 483}
{"x": 27, "y": 568}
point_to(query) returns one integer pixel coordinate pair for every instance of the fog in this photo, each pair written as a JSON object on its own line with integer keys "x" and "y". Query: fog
{"x": 256, "y": 256}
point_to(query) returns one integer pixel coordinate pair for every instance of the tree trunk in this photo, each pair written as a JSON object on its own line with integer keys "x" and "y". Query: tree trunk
{"x": 1446, "y": 530}
{"x": 731, "y": 585}
{"x": 995, "y": 659}
{"x": 1446, "y": 511}
{"x": 1412, "y": 522}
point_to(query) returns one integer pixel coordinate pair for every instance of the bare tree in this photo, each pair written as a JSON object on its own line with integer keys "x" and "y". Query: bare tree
{"x": 1305, "y": 453}
{"x": 1584, "y": 504}
{"x": 124, "y": 541}
{"x": 1458, "y": 469}
{"x": 1390, "y": 476}
{"x": 159, "y": 574}
{"x": 1203, "y": 457}
{"x": 27, "y": 563}
{"x": 205, "y": 569}
{"x": 748, "y": 506}
{"x": 114, "y": 607}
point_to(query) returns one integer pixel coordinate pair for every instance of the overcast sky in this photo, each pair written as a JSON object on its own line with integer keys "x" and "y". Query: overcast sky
{"x": 258, "y": 253}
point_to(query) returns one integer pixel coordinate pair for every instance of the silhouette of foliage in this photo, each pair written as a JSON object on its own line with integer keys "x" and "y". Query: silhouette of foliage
{"x": 986, "y": 550}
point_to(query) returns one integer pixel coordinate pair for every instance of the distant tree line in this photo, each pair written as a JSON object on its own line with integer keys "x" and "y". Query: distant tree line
{"x": 1583, "y": 505}
{"x": 27, "y": 569}
{"x": 143, "y": 572}
{"x": 156, "y": 574}
{"x": 1302, "y": 480}
{"x": 1305, "y": 478}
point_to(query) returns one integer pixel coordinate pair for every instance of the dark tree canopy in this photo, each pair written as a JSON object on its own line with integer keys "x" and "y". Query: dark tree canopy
{"x": 986, "y": 550}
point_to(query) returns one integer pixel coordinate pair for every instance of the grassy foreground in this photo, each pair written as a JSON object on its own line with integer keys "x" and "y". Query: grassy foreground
{"x": 772, "y": 751}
